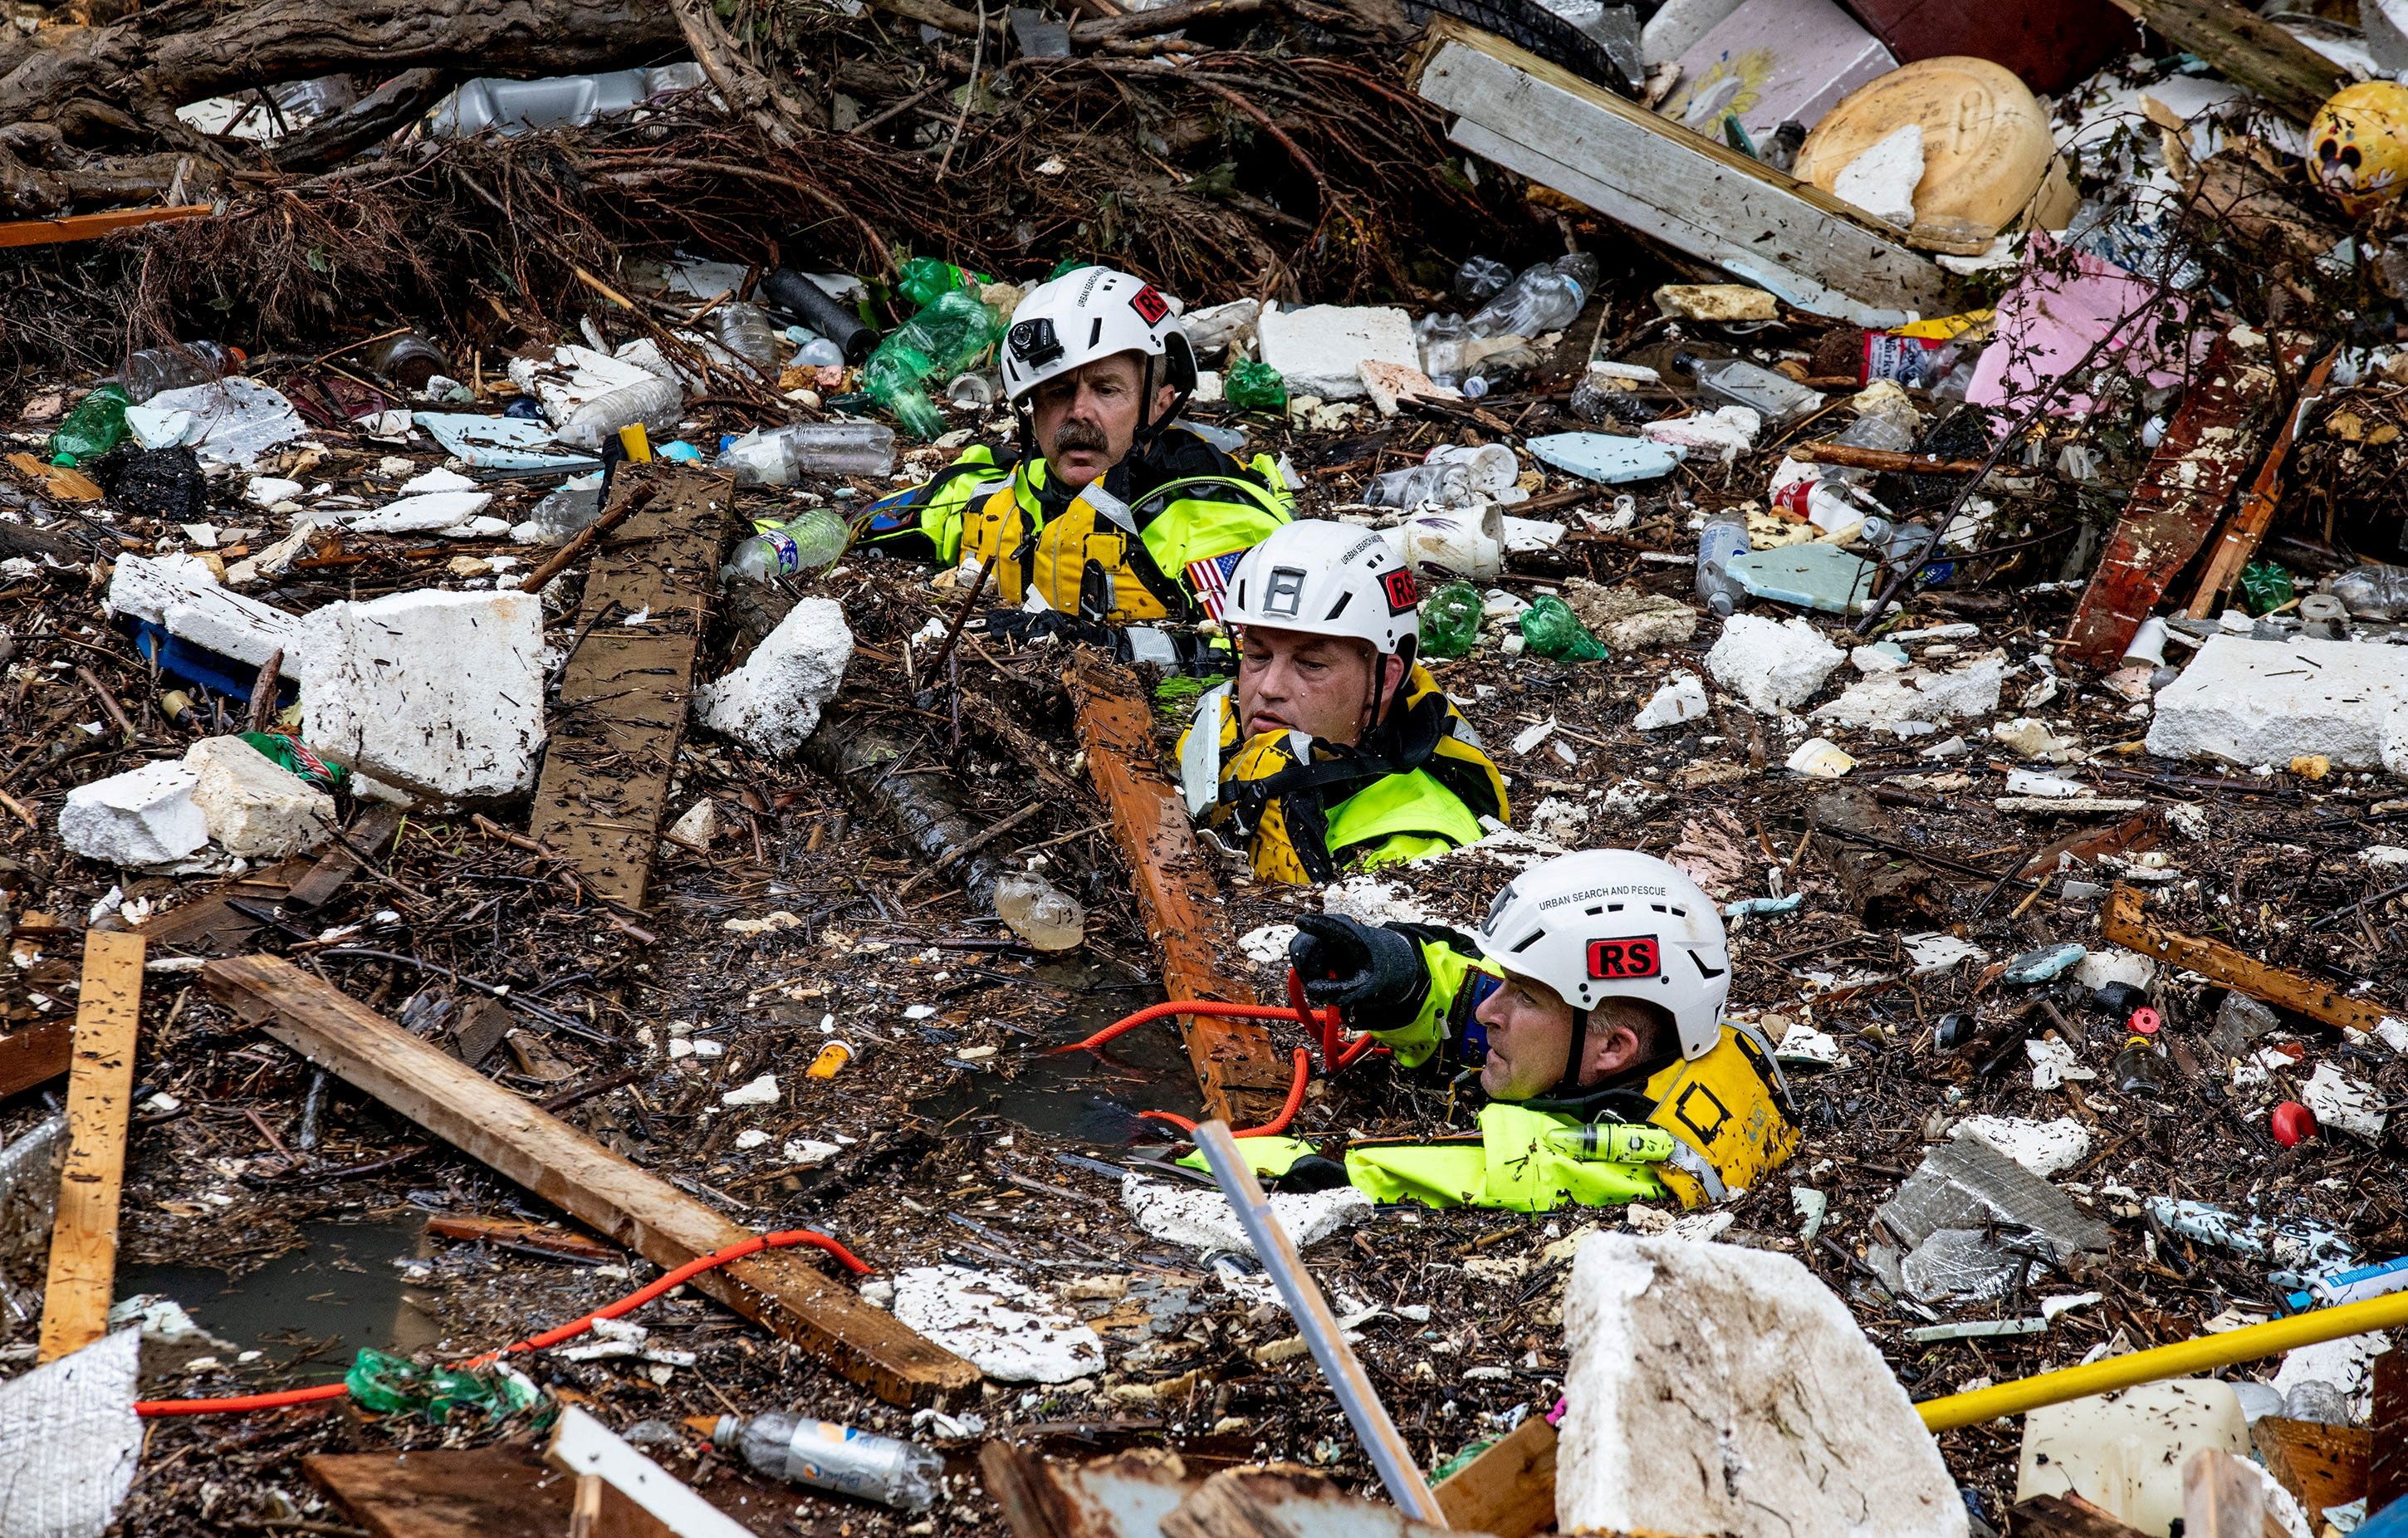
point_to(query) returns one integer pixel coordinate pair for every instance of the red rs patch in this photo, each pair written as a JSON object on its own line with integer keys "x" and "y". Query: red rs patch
{"x": 1625, "y": 958}
{"x": 1398, "y": 585}
{"x": 1150, "y": 307}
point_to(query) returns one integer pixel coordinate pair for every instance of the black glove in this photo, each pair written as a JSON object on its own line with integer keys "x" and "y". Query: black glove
{"x": 1020, "y": 626}
{"x": 1374, "y": 975}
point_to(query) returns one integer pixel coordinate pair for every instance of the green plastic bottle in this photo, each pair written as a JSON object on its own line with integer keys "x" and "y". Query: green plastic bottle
{"x": 926, "y": 279}
{"x": 2267, "y": 586}
{"x": 1555, "y": 631}
{"x": 96, "y": 426}
{"x": 1254, "y": 386}
{"x": 945, "y": 337}
{"x": 1450, "y": 620}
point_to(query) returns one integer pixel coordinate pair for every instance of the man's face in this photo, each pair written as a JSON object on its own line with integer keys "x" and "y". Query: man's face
{"x": 1085, "y": 419}
{"x": 1320, "y": 685}
{"x": 1530, "y": 1039}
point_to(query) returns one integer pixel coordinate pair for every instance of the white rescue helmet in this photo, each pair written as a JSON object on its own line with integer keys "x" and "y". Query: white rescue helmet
{"x": 1616, "y": 924}
{"x": 1320, "y": 578}
{"x": 1093, "y": 313}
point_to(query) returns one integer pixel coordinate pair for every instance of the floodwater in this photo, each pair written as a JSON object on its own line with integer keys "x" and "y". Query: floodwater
{"x": 1090, "y": 1097}
{"x": 316, "y": 1306}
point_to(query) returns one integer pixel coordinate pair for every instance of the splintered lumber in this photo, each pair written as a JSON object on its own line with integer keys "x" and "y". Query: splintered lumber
{"x": 1127, "y": 1496}
{"x": 1644, "y": 170}
{"x": 2064, "y": 1517}
{"x": 609, "y": 1194}
{"x": 100, "y": 1091}
{"x": 2321, "y": 1465}
{"x": 1510, "y": 1488}
{"x": 91, "y": 226}
{"x": 622, "y": 695}
{"x": 2210, "y": 444}
{"x": 2245, "y": 49}
{"x": 488, "y": 1492}
{"x": 365, "y": 838}
{"x": 1282, "y": 1503}
{"x": 623, "y": 1494}
{"x": 2124, "y": 924}
{"x": 2226, "y": 1496}
{"x": 2387, "y": 1474}
{"x": 2246, "y": 528}
{"x": 35, "y": 1056}
{"x": 1242, "y": 1075}
{"x": 512, "y": 1234}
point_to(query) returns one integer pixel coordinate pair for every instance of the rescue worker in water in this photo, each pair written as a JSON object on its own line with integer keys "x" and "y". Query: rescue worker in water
{"x": 1590, "y": 1004}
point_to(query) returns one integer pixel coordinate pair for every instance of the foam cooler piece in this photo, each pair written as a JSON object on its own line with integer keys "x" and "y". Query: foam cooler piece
{"x": 256, "y": 807}
{"x": 1774, "y": 665}
{"x": 182, "y": 595}
{"x": 439, "y": 693}
{"x": 2249, "y": 702}
{"x": 772, "y": 702}
{"x": 1720, "y": 1389}
{"x": 144, "y": 816}
{"x": 1320, "y": 350}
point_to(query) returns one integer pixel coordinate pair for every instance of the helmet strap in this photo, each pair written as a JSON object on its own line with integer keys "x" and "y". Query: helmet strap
{"x": 1569, "y": 1086}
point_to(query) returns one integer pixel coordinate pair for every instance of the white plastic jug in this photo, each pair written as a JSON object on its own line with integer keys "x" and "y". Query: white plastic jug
{"x": 2125, "y": 1451}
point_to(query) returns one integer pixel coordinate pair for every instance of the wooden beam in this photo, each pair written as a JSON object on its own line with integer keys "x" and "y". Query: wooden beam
{"x": 2124, "y": 923}
{"x": 499, "y": 1491}
{"x": 1509, "y": 1490}
{"x": 1243, "y": 1077}
{"x": 1642, "y": 169}
{"x": 368, "y": 835}
{"x": 598, "y": 1187}
{"x": 2387, "y": 1472}
{"x": 2245, "y": 49}
{"x": 2321, "y": 1465}
{"x": 614, "y": 735}
{"x": 2227, "y": 1497}
{"x": 35, "y": 1056}
{"x": 2246, "y": 528}
{"x": 88, "y": 226}
{"x": 657, "y": 1503}
{"x": 100, "y": 1091}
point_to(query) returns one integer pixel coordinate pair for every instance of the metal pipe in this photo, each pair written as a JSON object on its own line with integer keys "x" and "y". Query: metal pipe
{"x": 2201, "y": 1354}
{"x": 1390, "y": 1457}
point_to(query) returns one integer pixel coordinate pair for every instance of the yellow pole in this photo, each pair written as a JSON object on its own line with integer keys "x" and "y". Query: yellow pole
{"x": 2199, "y": 1353}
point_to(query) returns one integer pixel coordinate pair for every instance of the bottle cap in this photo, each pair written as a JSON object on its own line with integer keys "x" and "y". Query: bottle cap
{"x": 2146, "y": 1020}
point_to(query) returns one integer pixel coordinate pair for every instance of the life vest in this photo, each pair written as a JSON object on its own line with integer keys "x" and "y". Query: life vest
{"x": 1310, "y": 809}
{"x": 1729, "y": 1112}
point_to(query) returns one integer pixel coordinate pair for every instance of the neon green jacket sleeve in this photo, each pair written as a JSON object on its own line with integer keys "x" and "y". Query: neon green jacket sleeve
{"x": 1419, "y": 1040}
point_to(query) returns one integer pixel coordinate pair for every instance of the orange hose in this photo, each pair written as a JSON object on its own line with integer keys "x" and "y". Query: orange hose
{"x": 1271, "y": 1128}
{"x": 239, "y": 1403}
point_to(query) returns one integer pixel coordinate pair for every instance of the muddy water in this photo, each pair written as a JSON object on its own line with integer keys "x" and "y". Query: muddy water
{"x": 1090, "y": 1097}
{"x": 323, "y": 1301}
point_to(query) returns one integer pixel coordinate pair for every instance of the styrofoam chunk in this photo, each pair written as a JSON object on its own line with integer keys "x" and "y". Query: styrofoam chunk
{"x": 2247, "y": 702}
{"x": 144, "y": 816}
{"x": 440, "y": 693}
{"x": 1773, "y": 665}
{"x": 772, "y": 703}
{"x": 1682, "y": 699}
{"x": 424, "y": 514}
{"x": 1882, "y": 180}
{"x": 255, "y": 807}
{"x": 1320, "y": 350}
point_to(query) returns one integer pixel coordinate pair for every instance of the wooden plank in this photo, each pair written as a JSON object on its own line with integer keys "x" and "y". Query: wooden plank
{"x": 2245, "y": 49}
{"x": 35, "y": 1056}
{"x": 368, "y": 835}
{"x": 88, "y": 226}
{"x": 1243, "y": 1077}
{"x": 2387, "y": 1474}
{"x": 100, "y": 1091}
{"x": 2064, "y": 1517}
{"x": 1649, "y": 172}
{"x": 210, "y": 925}
{"x": 512, "y": 1233}
{"x": 2321, "y": 1465}
{"x": 2124, "y": 923}
{"x": 2246, "y": 528}
{"x": 2210, "y": 445}
{"x": 1284, "y": 1503}
{"x": 623, "y": 697}
{"x": 488, "y": 1492}
{"x": 1510, "y": 1488}
{"x": 665, "y": 1506}
{"x": 2226, "y": 1496}
{"x": 598, "y": 1187}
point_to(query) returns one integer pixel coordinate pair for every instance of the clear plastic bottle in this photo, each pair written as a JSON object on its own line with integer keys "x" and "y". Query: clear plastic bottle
{"x": 830, "y": 1456}
{"x": 1738, "y": 383}
{"x": 575, "y": 503}
{"x": 1039, "y": 913}
{"x": 157, "y": 368}
{"x": 1481, "y": 279}
{"x": 409, "y": 360}
{"x": 780, "y": 454}
{"x": 806, "y": 543}
{"x": 651, "y": 400}
{"x": 1441, "y": 338}
{"x": 2373, "y": 591}
{"x": 1867, "y": 432}
{"x": 1725, "y": 535}
{"x": 1546, "y": 297}
{"x": 744, "y": 329}
{"x": 1446, "y": 484}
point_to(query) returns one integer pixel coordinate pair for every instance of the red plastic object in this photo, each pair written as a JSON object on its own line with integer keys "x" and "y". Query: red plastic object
{"x": 2292, "y": 1124}
{"x": 2146, "y": 1021}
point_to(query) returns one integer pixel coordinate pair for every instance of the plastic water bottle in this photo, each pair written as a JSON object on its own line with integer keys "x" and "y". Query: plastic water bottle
{"x": 562, "y": 513}
{"x": 1450, "y": 620}
{"x": 2373, "y": 591}
{"x": 777, "y": 456}
{"x": 924, "y": 278}
{"x": 1546, "y": 297}
{"x": 805, "y": 544}
{"x": 1446, "y": 484}
{"x": 96, "y": 426}
{"x": 830, "y": 1456}
{"x": 1481, "y": 279}
{"x": 945, "y": 339}
{"x": 1738, "y": 383}
{"x": 1039, "y": 913}
{"x": 744, "y": 330}
{"x": 1441, "y": 338}
{"x": 1723, "y": 536}
{"x": 157, "y": 368}
{"x": 1867, "y": 432}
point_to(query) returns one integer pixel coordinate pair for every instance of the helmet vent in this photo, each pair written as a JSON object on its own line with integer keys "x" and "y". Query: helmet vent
{"x": 1596, "y": 910}
{"x": 1528, "y": 941}
{"x": 1340, "y": 607}
{"x": 1704, "y": 970}
{"x": 1095, "y": 331}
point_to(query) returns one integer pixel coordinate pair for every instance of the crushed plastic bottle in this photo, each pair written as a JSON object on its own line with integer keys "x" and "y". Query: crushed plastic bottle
{"x": 744, "y": 330}
{"x": 1254, "y": 386}
{"x": 1869, "y": 432}
{"x": 1040, "y": 911}
{"x": 1481, "y": 279}
{"x": 1553, "y": 631}
{"x": 1735, "y": 381}
{"x": 157, "y": 368}
{"x": 385, "y": 1384}
{"x": 2373, "y": 591}
{"x": 1450, "y": 620}
{"x": 562, "y": 513}
{"x": 804, "y": 544}
{"x": 1546, "y": 297}
{"x": 945, "y": 337}
{"x": 924, "y": 278}
{"x": 1441, "y": 339}
{"x": 831, "y": 1457}
{"x": 777, "y": 456}
{"x": 1446, "y": 485}
{"x": 2266, "y": 586}
{"x": 1725, "y": 535}
{"x": 96, "y": 426}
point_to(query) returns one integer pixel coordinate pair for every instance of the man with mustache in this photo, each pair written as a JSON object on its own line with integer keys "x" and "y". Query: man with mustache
{"x": 1111, "y": 513}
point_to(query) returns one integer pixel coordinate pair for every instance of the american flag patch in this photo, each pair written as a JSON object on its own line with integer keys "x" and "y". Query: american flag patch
{"x": 1210, "y": 578}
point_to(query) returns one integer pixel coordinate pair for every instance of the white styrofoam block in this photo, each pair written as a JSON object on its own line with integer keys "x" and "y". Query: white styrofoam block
{"x": 144, "y": 816}
{"x": 2046, "y": 1148}
{"x": 439, "y": 693}
{"x": 2245, "y": 701}
{"x": 256, "y": 807}
{"x": 2114, "y": 964}
{"x": 1320, "y": 350}
{"x": 1774, "y": 665}
{"x": 182, "y": 595}
{"x": 1920, "y": 695}
{"x": 2125, "y": 1451}
{"x": 2394, "y": 745}
{"x": 1204, "y": 1221}
{"x": 1682, "y": 699}
{"x": 1882, "y": 180}
{"x": 144, "y": 586}
{"x": 1007, "y": 1331}
{"x": 772, "y": 703}
{"x": 1720, "y": 1389}
{"x": 424, "y": 514}
{"x": 438, "y": 480}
